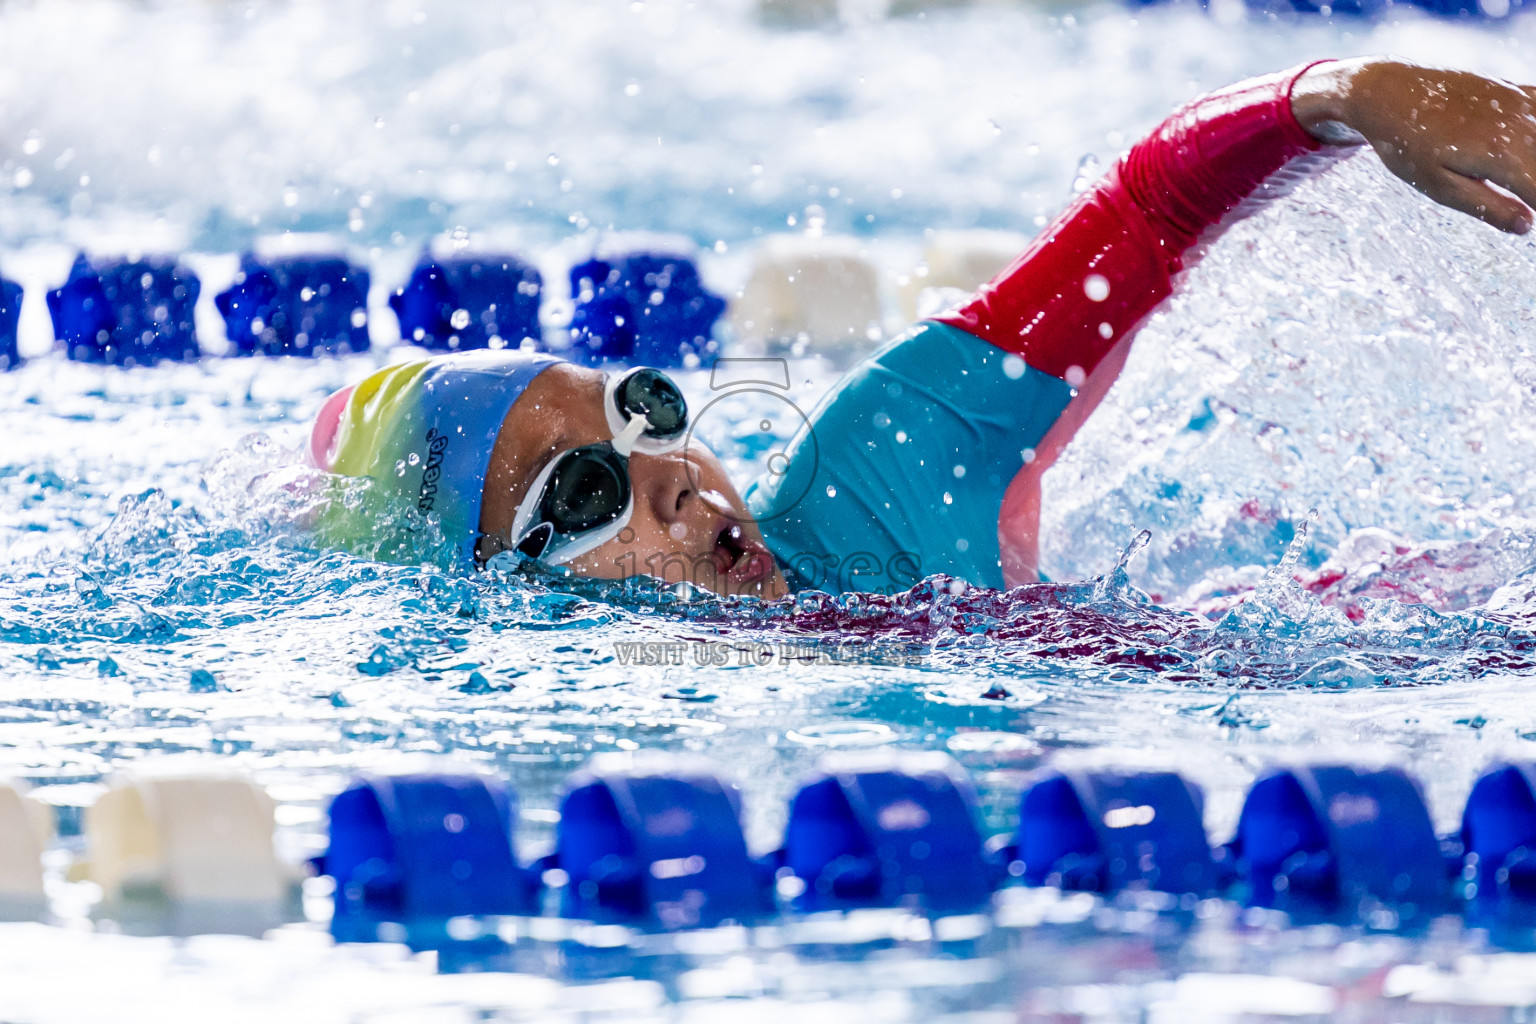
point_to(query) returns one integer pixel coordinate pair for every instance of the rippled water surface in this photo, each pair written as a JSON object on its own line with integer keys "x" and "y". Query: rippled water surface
{"x": 1348, "y": 350}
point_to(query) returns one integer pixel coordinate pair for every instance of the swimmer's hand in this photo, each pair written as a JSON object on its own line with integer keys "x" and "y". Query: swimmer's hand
{"x": 1465, "y": 141}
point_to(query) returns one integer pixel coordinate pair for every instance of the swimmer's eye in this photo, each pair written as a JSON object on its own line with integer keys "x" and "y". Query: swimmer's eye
{"x": 579, "y": 501}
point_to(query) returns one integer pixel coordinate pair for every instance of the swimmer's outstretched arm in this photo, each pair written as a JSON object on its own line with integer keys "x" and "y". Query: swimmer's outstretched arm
{"x": 1070, "y": 304}
{"x": 1457, "y": 137}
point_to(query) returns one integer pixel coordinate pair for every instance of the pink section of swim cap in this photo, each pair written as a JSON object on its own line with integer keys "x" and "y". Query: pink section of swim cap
{"x": 322, "y": 439}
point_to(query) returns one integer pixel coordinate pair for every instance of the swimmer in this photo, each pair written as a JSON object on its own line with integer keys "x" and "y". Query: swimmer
{"x": 926, "y": 457}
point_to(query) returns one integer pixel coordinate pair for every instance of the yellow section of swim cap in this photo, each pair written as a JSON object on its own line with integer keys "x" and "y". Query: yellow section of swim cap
{"x": 376, "y": 404}
{"x": 373, "y": 520}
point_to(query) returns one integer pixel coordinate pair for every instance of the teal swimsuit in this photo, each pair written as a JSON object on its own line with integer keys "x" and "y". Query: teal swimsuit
{"x": 901, "y": 470}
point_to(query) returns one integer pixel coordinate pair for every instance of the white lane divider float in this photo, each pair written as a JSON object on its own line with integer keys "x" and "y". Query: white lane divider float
{"x": 189, "y": 852}
{"x": 26, "y": 826}
{"x": 956, "y": 263}
{"x": 822, "y": 291}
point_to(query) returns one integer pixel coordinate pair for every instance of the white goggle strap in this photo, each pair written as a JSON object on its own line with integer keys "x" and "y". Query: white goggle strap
{"x": 618, "y": 423}
{"x": 629, "y": 438}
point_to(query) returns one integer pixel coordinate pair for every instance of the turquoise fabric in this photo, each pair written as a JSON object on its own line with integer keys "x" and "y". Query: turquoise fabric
{"x": 871, "y": 499}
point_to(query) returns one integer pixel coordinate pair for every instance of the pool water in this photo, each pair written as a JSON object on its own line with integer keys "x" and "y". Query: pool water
{"x": 1349, "y": 350}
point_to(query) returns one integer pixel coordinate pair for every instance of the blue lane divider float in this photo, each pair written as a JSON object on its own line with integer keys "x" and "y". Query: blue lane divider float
{"x": 657, "y": 839}
{"x": 296, "y": 306}
{"x": 1461, "y": 10}
{"x": 1104, "y": 831}
{"x": 642, "y": 307}
{"x": 470, "y": 301}
{"x": 10, "y": 317}
{"x": 423, "y": 848}
{"x": 126, "y": 312}
{"x": 1335, "y": 838}
{"x": 1498, "y": 834}
{"x": 886, "y": 830}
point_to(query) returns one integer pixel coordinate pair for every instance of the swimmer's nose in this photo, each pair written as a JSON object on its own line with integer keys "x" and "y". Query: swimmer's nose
{"x": 664, "y": 484}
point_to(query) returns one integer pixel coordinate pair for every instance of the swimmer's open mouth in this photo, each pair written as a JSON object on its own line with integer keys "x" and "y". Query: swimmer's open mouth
{"x": 741, "y": 557}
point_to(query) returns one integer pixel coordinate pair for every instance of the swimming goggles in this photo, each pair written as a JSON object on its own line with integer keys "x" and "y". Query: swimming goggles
{"x": 583, "y": 497}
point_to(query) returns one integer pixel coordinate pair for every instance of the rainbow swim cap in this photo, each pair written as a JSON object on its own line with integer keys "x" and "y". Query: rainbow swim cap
{"x": 423, "y": 432}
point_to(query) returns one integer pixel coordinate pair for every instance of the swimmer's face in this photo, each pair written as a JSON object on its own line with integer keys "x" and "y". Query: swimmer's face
{"x": 689, "y": 523}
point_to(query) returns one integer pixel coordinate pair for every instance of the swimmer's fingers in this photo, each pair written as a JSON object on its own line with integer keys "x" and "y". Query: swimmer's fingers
{"x": 1465, "y": 141}
{"x": 1506, "y": 159}
{"x": 1460, "y": 183}
{"x": 1478, "y": 198}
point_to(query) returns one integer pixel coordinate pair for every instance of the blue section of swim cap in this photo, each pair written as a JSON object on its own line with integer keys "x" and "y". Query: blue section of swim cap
{"x": 465, "y": 398}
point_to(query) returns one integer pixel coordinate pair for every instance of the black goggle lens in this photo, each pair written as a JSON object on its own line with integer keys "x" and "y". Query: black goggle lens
{"x": 652, "y": 394}
{"x": 589, "y": 487}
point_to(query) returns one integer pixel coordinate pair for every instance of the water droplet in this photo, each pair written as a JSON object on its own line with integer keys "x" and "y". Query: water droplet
{"x": 815, "y": 220}
{"x": 1087, "y": 172}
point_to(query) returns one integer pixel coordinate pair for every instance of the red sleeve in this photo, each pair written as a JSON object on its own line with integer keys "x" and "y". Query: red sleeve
{"x": 1130, "y": 231}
